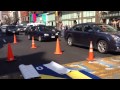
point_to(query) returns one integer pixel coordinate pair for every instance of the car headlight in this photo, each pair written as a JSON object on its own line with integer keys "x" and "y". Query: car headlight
{"x": 116, "y": 38}
{"x": 46, "y": 34}
{"x": 56, "y": 34}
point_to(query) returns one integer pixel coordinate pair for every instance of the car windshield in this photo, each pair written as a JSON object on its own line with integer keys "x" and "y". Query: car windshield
{"x": 20, "y": 26}
{"x": 44, "y": 28}
{"x": 106, "y": 28}
{"x": 51, "y": 28}
{"x": 11, "y": 27}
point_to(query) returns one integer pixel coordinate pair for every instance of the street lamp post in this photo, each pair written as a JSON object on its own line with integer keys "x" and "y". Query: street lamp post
{"x": 56, "y": 19}
{"x": 78, "y": 13}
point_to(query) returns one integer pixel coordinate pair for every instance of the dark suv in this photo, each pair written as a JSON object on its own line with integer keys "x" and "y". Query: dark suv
{"x": 12, "y": 29}
{"x": 104, "y": 37}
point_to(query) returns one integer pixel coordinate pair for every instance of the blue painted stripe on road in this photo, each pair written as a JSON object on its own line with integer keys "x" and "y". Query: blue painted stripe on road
{"x": 89, "y": 74}
{"x": 104, "y": 63}
{"x": 86, "y": 68}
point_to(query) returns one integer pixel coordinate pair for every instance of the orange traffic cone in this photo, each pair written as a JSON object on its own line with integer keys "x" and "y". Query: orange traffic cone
{"x": 91, "y": 54}
{"x": 10, "y": 56}
{"x": 15, "y": 40}
{"x": 58, "y": 49}
{"x": 33, "y": 43}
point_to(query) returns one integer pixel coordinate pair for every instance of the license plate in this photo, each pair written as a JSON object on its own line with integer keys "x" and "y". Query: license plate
{"x": 13, "y": 31}
{"x": 52, "y": 36}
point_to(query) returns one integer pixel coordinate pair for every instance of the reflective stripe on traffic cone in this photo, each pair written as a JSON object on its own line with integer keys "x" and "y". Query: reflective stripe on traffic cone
{"x": 15, "y": 40}
{"x": 91, "y": 54}
{"x": 10, "y": 56}
{"x": 33, "y": 43}
{"x": 58, "y": 49}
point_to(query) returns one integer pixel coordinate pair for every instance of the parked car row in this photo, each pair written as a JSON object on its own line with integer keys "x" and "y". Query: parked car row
{"x": 9, "y": 29}
{"x": 105, "y": 38}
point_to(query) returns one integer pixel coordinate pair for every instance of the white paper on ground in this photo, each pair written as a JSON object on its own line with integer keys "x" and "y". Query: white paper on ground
{"x": 28, "y": 71}
{"x": 57, "y": 68}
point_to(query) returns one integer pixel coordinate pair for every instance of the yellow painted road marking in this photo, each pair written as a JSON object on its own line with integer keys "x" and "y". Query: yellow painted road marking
{"x": 43, "y": 76}
{"x": 74, "y": 74}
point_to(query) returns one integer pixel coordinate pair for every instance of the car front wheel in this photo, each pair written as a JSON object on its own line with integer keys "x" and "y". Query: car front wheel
{"x": 70, "y": 41}
{"x": 102, "y": 46}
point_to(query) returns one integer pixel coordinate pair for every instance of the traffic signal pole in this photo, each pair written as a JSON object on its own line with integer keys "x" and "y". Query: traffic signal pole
{"x": 57, "y": 19}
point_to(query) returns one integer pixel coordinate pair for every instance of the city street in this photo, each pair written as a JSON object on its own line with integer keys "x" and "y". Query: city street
{"x": 44, "y": 53}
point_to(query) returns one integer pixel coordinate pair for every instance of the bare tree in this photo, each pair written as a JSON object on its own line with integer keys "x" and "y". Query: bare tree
{"x": 7, "y": 20}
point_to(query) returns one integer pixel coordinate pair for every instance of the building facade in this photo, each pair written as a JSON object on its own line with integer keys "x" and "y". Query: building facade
{"x": 69, "y": 17}
{"x": 24, "y": 17}
{"x": 108, "y": 16}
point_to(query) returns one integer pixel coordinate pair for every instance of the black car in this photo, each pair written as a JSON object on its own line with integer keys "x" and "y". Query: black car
{"x": 4, "y": 28}
{"x": 42, "y": 32}
{"x": 20, "y": 28}
{"x": 12, "y": 29}
{"x": 104, "y": 37}
{"x": 29, "y": 29}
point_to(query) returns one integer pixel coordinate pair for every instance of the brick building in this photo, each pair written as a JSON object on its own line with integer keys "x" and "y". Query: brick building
{"x": 24, "y": 16}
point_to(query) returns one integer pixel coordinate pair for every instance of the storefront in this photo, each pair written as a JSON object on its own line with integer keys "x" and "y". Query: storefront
{"x": 68, "y": 18}
{"x": 108, "y": 17}
{"x": 51, "y": 19}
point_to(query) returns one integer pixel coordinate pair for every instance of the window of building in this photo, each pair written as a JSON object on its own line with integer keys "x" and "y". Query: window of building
{"x": 75, "y": 15}
{"x": 51, "y": 17}
{"x": 89, "y": 20}
{"x": 92, "y": 13}
{"x": 78, "y": 21}
{"x": 85, "y": 13}
{"x": 54, "y": 24}
{"x": 93, "y": 19}
{"x": 23, "y": 19}
{"x": 84, "y": 20}
{"x": 88, "y": 13}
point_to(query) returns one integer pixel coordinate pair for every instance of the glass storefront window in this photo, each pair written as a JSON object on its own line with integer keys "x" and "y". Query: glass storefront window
{"x": 84, "y": 20}
{"x": 53, "y": 23}
{"x": 51, "y": 17}
{"x": 93, "y": 19}
{"x": 75, "y": 15}
{"x": 86, "y": 13}
{"x": 92, "y": 13}
{"x": 88, "y": 20}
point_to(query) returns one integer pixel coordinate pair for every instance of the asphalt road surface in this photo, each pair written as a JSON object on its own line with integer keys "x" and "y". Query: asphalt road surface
{"x": 44, "y": 53}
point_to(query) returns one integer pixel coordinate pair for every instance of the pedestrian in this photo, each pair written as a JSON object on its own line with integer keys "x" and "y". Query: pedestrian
{"x": 118, "y": 25}
{"x": 62, "y": 31}
{"x": 114, "y": 23}
{"x": 75, "y": 22}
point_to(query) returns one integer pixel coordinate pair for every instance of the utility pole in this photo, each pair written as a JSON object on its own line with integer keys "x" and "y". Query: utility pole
{"x": 57, "y": 19}
{"x": 78, "y": 13}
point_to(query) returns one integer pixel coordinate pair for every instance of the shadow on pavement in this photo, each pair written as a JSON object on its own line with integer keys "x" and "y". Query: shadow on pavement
{"x": 12, "y": 67}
